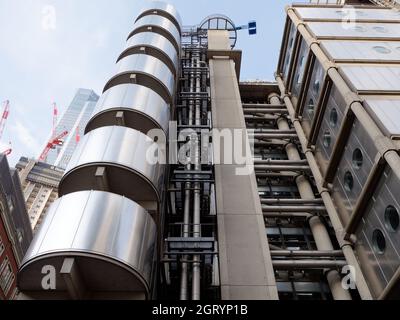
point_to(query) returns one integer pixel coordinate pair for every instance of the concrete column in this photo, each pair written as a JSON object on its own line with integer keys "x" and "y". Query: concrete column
{"x": 245, "y": 263}
{"x": 318, "y": 229}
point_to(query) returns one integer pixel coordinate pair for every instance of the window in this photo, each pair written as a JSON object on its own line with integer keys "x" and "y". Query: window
{"x": 357, "y": 159}
{"x": 311, "y": 108}
{"x": 301, "y": 70}
{"x": 327, "y": 139}
{"x": 359, "y": 29}
{"x": 6, "y": 276}
{"x": 378, "y": 241}
{"x": 381, "y": 49}
{"x": 319, "y": 75}
{"x": 380, "y": 29}
{"x": 348, "y": 181}
{"x": 316, "y": 86}
{"x": 333, "y": 118}
{"x": 392, "y": 219}
{"x": 20, "y": 235}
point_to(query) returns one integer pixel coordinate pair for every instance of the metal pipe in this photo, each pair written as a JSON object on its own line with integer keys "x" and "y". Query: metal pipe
{"x": 273, "y": 131}
{"x": 281, "y": 162}
{"x": 287, "y": 215}
{"x": 276, "y": 174}
{"x": 308, "y": 264}
{"x": 291, "y": 201}
{"x": 318, "y": 229}
{"x": 264, "y": 106}
{"x": 184, "y": 294}
{"x": 293, "y": 208}
{"x": 330, "y": 207}
{"x": 281, "y": 168}
{"x": 274, "y": 136}
{"x": 263, "y": 111}
{"x": 305, "y": 253}
{"x": 196, "y": 217}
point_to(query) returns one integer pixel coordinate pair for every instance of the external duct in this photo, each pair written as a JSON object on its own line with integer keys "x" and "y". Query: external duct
{"x": 107, "y": 217}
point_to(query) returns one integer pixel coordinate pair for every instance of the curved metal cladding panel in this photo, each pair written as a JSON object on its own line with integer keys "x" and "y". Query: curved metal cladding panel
{"x": 143, "y": 109}
{"x": 123, "y": 152}
{"x": 106, "y": 234}
{"x": 158, "y": 24}
{"x": 164, "y": 9}
{"x": 155, "y": 45}
{"x": 147, "y": 71}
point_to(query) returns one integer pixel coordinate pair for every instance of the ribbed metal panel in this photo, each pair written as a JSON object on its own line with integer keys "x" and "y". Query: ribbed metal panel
{"x": 143, "y": 109}
{"x": 111, "y": 237}
{"x": 358, "y": 14}
{"x": 147, "y": 71}
{"x": 336, "y": 30}
{"x": 116, "y": 174}
{"x": 123, "y": 152}
{"x": 165, "y": 9}
{"x": 377, "y": 51}
{"x": 155, "y": 45}
{"x": 386, "y": 113}
{"x": 368, "y": 79}
{"x": 160, "y": 25}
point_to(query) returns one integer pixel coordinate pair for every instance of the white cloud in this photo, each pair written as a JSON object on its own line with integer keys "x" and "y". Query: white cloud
{"x": 25, "y": 137}
{"x": 101, "y": 38}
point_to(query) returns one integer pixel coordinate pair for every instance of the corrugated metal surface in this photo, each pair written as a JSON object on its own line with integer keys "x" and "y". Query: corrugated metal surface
{"x": 357, "y": 30}
{"x": 363, "y": 78}
{"x": 386, "y": 113}
{"x": 362, "y": 50}
{"x": 347, "y": 13}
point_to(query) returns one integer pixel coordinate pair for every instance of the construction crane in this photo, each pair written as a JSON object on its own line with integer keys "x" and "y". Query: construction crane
{"x": 3, "y": 121}
{"x": 55, "y": 119}
{"x": 56, "y": 141}
{"x": 4, "y": 117}
{"x": 8, "y": 151}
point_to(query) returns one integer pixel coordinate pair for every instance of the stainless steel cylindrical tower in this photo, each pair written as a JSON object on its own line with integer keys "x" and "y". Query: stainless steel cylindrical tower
{"x": 99, "y": 240}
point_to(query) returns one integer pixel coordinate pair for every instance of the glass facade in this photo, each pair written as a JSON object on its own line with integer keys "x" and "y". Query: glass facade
{"x": 74, "y": 121}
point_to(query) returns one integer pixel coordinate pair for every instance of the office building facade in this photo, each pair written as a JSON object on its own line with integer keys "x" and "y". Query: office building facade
{"x": 15, "y": 231}
{"x": 39, "y": 183}
{"x": 312, "y": 213}
{"x": 73, "y": 121}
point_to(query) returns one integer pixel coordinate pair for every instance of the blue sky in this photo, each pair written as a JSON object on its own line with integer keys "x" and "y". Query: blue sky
{"x": 43, "y": 60}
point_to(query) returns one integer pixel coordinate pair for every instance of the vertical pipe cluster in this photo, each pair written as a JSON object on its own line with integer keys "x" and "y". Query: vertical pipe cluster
{"x": 318, "y": 229}
{"x": 193, "y": 229}
{"x": 108, "y": 213}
